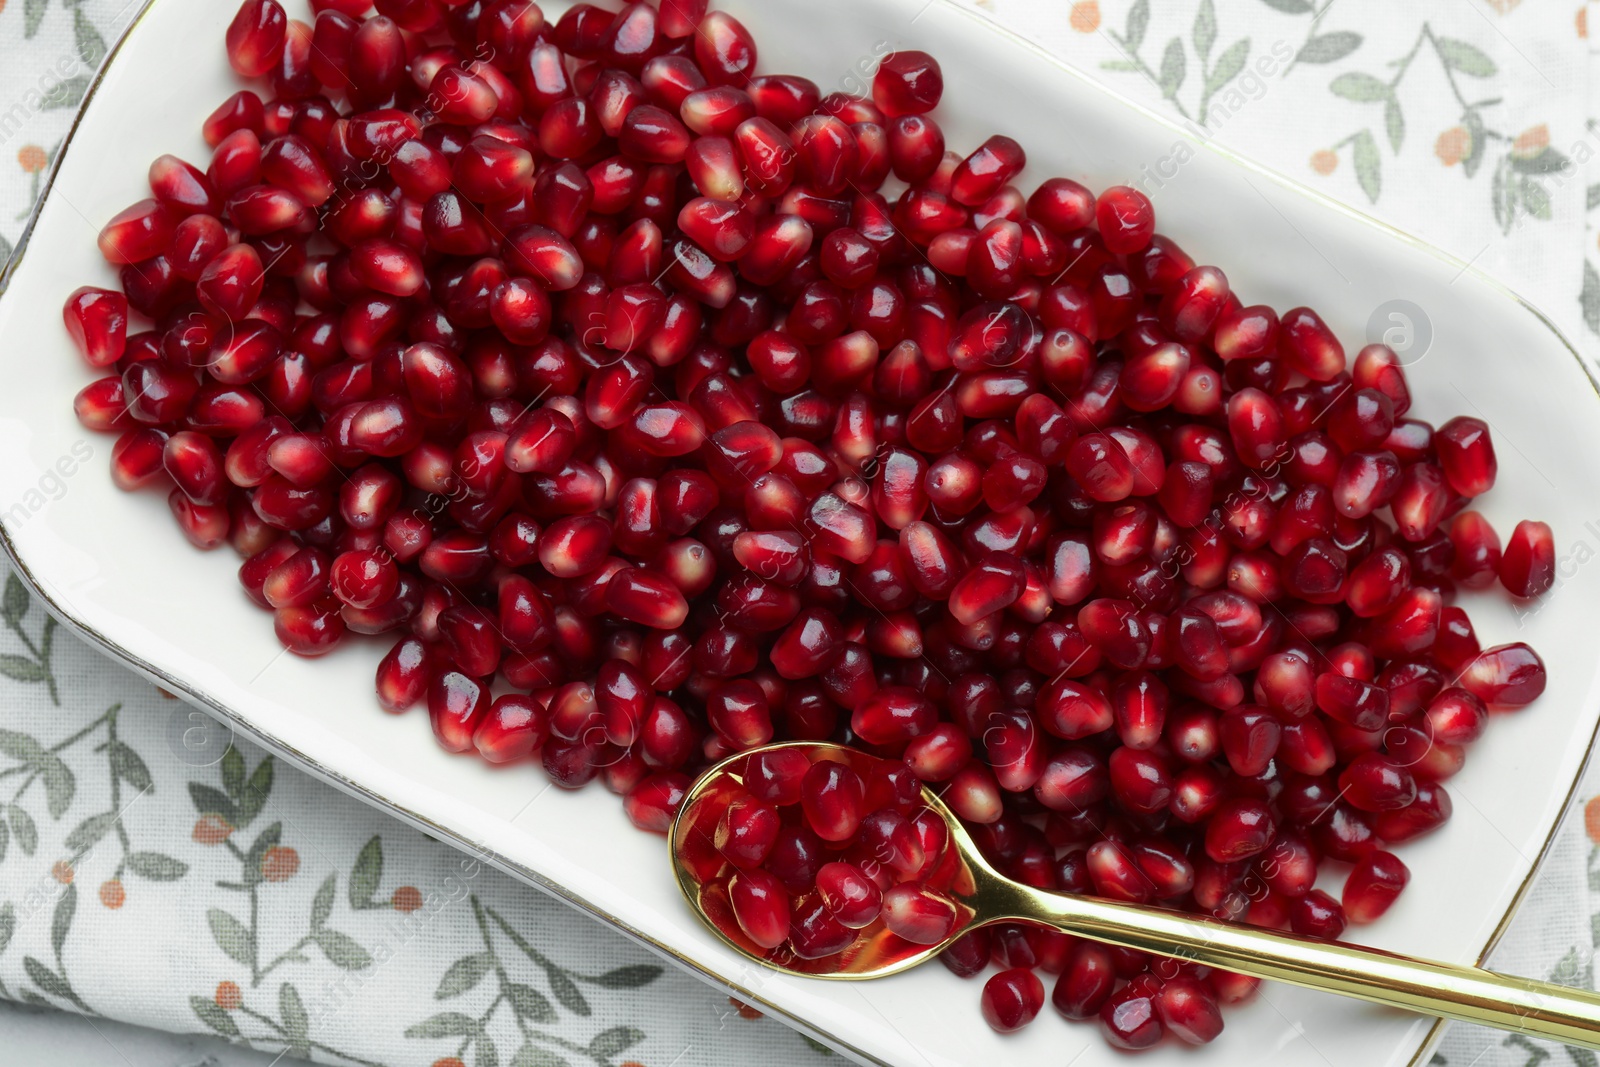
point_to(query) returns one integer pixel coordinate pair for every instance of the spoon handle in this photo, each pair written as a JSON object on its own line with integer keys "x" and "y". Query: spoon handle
{"x": 1540, "y": 1009}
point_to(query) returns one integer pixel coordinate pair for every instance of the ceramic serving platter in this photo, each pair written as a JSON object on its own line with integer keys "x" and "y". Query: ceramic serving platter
{"x": 113, "y": 566}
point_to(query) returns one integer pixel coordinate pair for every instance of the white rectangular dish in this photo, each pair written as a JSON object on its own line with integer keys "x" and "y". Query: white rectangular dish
{"x": 113, "y": 566}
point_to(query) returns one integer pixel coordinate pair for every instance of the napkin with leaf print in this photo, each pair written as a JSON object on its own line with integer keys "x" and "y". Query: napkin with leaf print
{"x": 155, "y": 869}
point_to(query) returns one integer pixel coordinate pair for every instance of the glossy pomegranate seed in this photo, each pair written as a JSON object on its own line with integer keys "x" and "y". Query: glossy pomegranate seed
{"x": 1188, "y": 1010}
{"x": 918, "y": 913}
{"x": 1372, "y": 886}
{"x": 1466, "y": 453}
{"x": 831, "y": 796}
{"x": 1086, "y": 981}
{"x": 1376, "y": 783}
{"x": 724, "y": 49}
{"x": 987, "y": 170}
{"x": 1507, "y": 675}
{"x": 138, "y": 233}
{"x": 853, "y": 899}
{"x": 747, "y": 831}
{"x": 1012, "y": 999}
{"x": 1129, "y": 1019}
{"x": 256, "y": 36}
{"x": 907, "y": 83}
{"x": 761, "y": 906}
{"x": 1317, "y": 915}
{"x": 97, "y": 320}
{"x": 1238, "y": 830}
{"x": 403, "y": 675}
{"x": 1528, "y": 563}
{"x": 652, "y": 804}
{"x": 1125, "y": 218}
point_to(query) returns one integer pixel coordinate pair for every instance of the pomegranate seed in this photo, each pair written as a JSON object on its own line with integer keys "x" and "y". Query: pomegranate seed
{"x": 1012, "y": 999}
{"x": 1129, "y": 1019}
{"x": 1528, "y": 564}
{"x": 907, "y": 83}
{"x": 652, "y": 804}
{"x": 1467, "y": 455}
{"x": 852, "y": 898}
{"x": 1086, "y": 981}
{"x": 1238, "y": 830}
{"x": 1317, "y": 915}
{"x": 256, "y": 37}
{"x": 724, "y": 49}
{"x": 97, "y": 320}
{"x": 918, "y": 913}
{"x": 138, "y": 233}
{"x": 1375, "y": 783}
{"x": 761, "y": 906}
{"x": 1507, "y": 675}
{"x": 747, "y": 831}
{"x": 1188, "y": 1010}
{"x": 1125, "y": 218}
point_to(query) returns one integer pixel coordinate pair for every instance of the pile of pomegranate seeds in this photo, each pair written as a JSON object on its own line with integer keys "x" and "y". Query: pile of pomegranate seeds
{"x": 583, "y": 357}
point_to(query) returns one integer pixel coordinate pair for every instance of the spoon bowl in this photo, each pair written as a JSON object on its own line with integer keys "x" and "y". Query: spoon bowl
{"x": 983, "y": 895}
{"x": 702, "y": 873}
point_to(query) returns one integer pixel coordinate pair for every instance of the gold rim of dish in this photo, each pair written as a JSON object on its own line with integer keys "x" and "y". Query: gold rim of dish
{"x": 556, "y": 889}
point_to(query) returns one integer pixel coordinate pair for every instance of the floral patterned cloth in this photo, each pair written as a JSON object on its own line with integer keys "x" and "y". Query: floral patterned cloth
{"x": 153, "y": 869}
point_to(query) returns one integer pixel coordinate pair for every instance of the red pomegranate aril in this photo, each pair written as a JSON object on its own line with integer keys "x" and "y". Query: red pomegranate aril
{"x": 138, "y": 233}
{"x": 968, "y": 954}
{"x": 1466, "y": 453}
{"x": 1373, "y": 885}
{"x": 761, "y": 906}
{"x": 907, "y": 83}
{"x": 1477, "y": 550}
{"x": 1507, "y": 675}
{"x": 1125, "y": 219}
{"x": 195, "y": 465}
{"x": 136, "y": 458}
{"x": 1012, "y": 999}
{"x": 1188, "y": 1010}
{"x": 775, "y": 776}
{"x": 1528, "y": 563}
{"x": 918, "y": 913}
{"x": 813, "y": 931}
{"x": 1086, "y": 981}
{"x": 1352, "y": 701}
{"x": 205, "y": 525}
{"x": 456, "y": 706}
{"x": 1317, "y": 915}
{"x": 831, "y": 797}
{"x": 853, "y": 899}
{"x": 1239, "y": 829}
{"x": 1129, "y": 1019}
{"x": 652, "y": 804}
{"x": 724, "y": 49}
{"x": 308, "y": 631}
{"x": 747, "y": 831}
{"x": 182, "y": 187}
{"x": 1307, "y": 344}
{"x": 97, "y": 320}
{"x": 514, "y": 728}
{"x": 403, "y": 675}
{"x": 1378, "y": 582}
{"x": 256, "y": 37}
{"x": 986, "y": 171}
{"x": 1373, "y": 782}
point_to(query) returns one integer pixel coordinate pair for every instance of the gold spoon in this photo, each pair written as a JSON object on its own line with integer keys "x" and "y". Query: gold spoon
{"x": 983, "y": 896}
